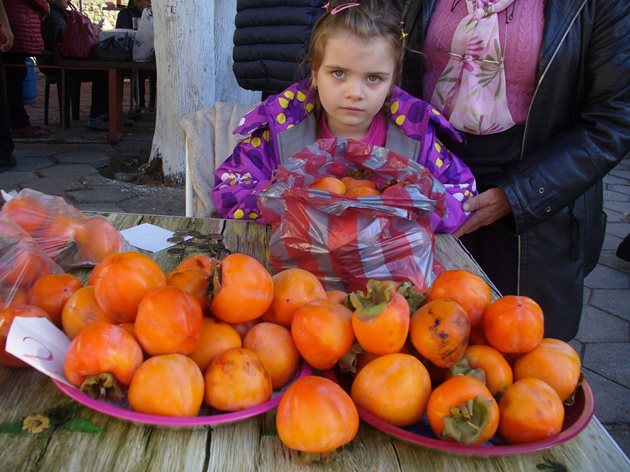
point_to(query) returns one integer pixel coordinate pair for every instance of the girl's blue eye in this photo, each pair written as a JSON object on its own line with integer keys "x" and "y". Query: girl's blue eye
{"x": 373, "y": 79}
{"x": 337, "y": 73}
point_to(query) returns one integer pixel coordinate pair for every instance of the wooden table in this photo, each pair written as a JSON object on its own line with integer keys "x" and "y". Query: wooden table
{"x": 251, "y": 444}
{"x": 115, "y": 86}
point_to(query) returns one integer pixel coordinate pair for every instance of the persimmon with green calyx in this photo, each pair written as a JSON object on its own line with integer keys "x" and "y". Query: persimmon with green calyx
{"x": 102, "y": 357}
{"x": 240, "y": 290}
{"x": 381, "y": 318}
{"x": 488, "y": 365}
{"x": 316, "y": 417}
{"x": 415, "y": 297}
{"x": 463, "y": 410}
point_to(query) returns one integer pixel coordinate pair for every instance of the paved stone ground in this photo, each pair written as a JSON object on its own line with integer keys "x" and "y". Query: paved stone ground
{"x": 71, "y": 169}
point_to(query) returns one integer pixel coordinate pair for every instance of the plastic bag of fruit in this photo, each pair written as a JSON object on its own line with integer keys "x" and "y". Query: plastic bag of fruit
{"x": 71, "y": 238}
{"x": 344, "y": 239}
{"x": 22, "y": 262}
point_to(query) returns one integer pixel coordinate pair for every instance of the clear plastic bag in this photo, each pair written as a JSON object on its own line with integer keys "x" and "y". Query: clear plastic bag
{"x": 22, "y": 262}
{"x": 71, "y": 238}
{"x": 346, "y": 241}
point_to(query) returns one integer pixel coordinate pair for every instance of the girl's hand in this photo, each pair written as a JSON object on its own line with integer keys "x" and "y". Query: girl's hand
{"x": 487, "y": 207}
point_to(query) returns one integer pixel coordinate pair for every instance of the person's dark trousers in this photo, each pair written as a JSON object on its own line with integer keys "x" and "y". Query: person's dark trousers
{"x": 15, "y": 98}
{"x": 100, "y": 91}
{"x": 6, "y": 141}
{"x": 100, "y": 94}
{"x": 143, "y": 75}
{"x": 623, "y": 250}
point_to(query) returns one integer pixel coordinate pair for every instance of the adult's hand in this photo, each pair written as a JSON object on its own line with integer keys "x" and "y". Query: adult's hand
{"x": 6, "y": 38}
{"x": 487, "y": 207}
{"x": 6, "y": 35}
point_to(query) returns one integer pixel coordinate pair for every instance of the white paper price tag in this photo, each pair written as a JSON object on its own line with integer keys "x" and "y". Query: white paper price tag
{"x": 40, "y": 344}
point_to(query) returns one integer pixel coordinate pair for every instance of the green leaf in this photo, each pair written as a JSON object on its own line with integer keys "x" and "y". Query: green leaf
{"x": 60, "y": 414}
{"x": 11, "y": 428}
{"x": 82, "y": 426}
{"x": 554, "y": 466}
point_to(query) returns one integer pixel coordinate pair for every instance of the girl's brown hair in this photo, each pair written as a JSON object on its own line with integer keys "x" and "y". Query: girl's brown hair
{"x": 369, "y": 19}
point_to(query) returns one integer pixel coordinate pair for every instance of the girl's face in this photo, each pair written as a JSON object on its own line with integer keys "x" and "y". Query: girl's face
{"x": 353, "y": 82}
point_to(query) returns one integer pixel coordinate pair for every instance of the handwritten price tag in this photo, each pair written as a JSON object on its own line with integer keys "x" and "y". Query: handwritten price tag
{"x": 40, "y": 344}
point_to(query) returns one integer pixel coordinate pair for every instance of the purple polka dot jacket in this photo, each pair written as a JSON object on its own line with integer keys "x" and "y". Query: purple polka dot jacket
{"x": 284, "y": 124}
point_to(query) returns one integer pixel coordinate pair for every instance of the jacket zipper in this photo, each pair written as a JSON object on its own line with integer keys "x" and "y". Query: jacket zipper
{"x": 542, "y": 77}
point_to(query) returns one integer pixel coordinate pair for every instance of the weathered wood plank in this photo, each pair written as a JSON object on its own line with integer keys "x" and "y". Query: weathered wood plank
{"x": 250, "y": 445}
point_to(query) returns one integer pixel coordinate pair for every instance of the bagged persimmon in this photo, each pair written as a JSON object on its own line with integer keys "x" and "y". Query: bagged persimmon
{"x": 347, "y": 240}
{"x": 70, "y": 237}
{"x": 22, "y": 263}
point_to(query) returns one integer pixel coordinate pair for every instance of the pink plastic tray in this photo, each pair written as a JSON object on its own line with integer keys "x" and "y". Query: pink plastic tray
{"x": 203, "y": 419}
{"x": 576, "y": 417}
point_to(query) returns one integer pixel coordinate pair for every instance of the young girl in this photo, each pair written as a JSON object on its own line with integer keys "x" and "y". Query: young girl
{"x": 355, "y": 57}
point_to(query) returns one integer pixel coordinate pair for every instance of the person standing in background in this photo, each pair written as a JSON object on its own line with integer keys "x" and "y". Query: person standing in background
{"x": 53, "y": 29}
{"x": 125, "y": 18}
{"x": 7, "y": 161}
{"x": 540, "y": 89}
{"x": 271, "y": 41}
{"x": 25, "y": 18}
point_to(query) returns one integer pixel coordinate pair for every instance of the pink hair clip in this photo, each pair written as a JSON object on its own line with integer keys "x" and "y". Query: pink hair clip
{"x": 342, "y": 7}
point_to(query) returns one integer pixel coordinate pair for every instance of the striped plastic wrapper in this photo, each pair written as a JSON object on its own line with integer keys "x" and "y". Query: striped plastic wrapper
{"x": 345, "y": 241}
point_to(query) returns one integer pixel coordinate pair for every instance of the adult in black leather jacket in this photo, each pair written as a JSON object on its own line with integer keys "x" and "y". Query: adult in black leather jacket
{"x": 577, "y": 130}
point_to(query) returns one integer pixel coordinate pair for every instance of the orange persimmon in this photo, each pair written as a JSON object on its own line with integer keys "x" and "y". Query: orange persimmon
{"x": 241, "y": 289}
{"x": 514, "y": 324}
{"x": 122, "y": 280}
{"x": 322, "y": 332}
{"x": 168, "y": 321}
{"x": 329, "y": 184}
{"x": 51, "y": 292}
{"x": 276, "y": 349}
{"x": 381, "y": 318}
{"x": 394, "y": 387}
{"x": 315, "y": 415}
{"x": 463, "y": 410}
{"x": 237, "y": 379}
{"x": 439, "y": 331}
{"x": 466, "y": 288}
{"x": 292, "y": 288}
{"x": 530, "y": 410}
{"x": 167, "y": 385}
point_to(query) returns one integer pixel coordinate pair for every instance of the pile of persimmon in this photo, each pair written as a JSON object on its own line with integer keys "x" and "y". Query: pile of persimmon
{"x": 227, "y": 333}
{"x": 171, "y": 340}
{"x": 473, "y": 366}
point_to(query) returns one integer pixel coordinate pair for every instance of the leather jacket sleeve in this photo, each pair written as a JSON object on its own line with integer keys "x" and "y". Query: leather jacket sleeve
{"x": 576, "y": 151}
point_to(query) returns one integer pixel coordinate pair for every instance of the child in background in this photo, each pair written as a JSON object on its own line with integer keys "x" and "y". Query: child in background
{"x": 355, "y": 57}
